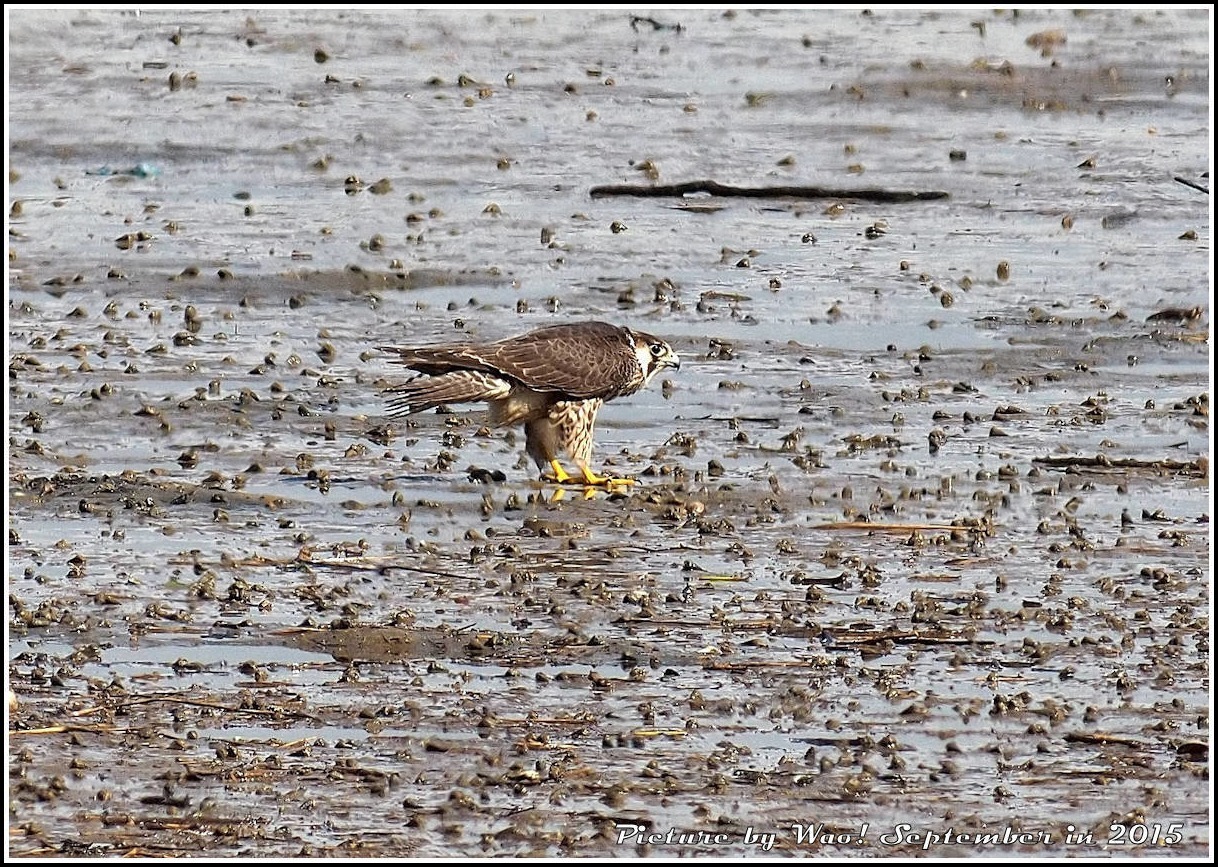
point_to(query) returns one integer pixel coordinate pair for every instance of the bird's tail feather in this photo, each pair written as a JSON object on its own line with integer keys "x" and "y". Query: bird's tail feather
{"x": 427, "y": 392}
{"x": 434, "y": 360}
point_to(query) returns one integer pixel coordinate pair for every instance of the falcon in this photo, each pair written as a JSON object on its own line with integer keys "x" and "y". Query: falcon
{"x": 553, "y": 379}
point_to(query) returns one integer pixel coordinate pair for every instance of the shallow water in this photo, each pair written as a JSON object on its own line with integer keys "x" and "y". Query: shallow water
{"x": 247, "y": 619}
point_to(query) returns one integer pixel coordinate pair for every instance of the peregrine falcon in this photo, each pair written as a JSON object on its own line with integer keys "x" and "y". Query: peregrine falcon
{"x": 554, "y": 379}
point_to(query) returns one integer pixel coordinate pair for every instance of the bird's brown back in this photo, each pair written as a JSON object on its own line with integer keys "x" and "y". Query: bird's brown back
{"x": 580, "y": 359}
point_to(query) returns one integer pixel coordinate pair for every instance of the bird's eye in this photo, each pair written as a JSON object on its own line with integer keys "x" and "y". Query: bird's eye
{"x": 658, "y": 349}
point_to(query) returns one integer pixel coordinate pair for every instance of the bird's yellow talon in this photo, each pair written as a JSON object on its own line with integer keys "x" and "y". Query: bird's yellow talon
{"x": 560, "y": 475}
{"x": 589, "y": 478}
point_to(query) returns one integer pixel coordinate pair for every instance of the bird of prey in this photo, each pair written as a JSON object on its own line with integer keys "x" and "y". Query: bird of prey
{"x": 554, "y": 379}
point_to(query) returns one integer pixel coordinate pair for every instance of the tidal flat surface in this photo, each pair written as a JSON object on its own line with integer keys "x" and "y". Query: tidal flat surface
{"x": 920, "y": 547}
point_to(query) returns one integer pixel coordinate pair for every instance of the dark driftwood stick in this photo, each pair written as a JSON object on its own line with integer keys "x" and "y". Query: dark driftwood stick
{"x": 1199, "y": 467}
{"x": 715, "y": 188}
{"x": 1188, "y": 183}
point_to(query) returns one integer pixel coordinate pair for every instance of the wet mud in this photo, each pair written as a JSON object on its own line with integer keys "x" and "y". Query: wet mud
{"x": 919, "y": 558}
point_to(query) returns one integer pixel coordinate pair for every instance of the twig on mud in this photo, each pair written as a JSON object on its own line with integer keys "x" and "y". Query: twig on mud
{"x": 355, "y": 564}
{"x": 659, "y": 733}
{"x": 1102, "y": 738}
{"x": 1193, "y": 184}
{"x": 636, "y": 20}
{"x": 60, "y": 729}
{"x": 886, "y": 528}
{"x": 186, "y": 823}
{"x": 516, "y": 811}
{"x": 368, "y": 565}
{"x": 850, "y": 638}
{"x": 759, "y": 663}
{"x": 715, "y": 188}
{"x": 1198, "y": 468}
{"x": 252, "y": 711}
{"x": 173, "y": 699}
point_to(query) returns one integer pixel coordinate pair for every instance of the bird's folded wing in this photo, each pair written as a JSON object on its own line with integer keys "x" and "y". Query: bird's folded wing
{"x": 580, "y": 363}
{"x": 573, "y": 361}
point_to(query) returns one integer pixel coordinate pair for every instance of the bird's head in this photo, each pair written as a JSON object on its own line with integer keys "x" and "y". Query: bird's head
{"x": 653, "y": 354}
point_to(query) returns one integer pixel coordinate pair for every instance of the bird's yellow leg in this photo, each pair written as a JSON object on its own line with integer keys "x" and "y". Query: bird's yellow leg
{"x": 560, "y": 475}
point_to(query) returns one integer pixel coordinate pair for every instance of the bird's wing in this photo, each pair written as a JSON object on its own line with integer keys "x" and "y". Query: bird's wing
{"x": 580, "y": 360}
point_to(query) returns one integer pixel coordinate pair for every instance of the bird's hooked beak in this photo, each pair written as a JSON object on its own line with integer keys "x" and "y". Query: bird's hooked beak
{"x": 673, "y": 361}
